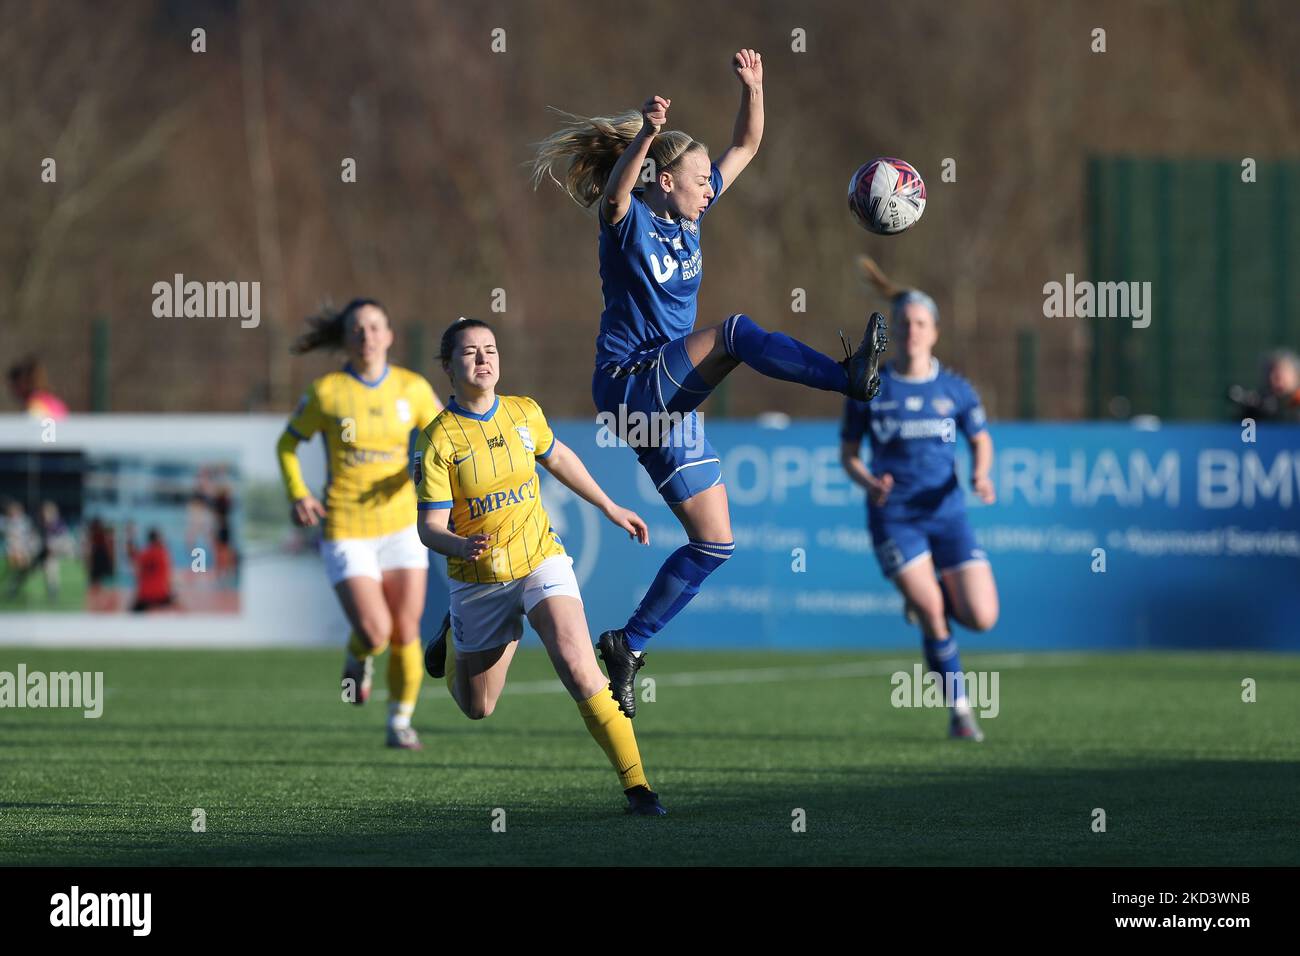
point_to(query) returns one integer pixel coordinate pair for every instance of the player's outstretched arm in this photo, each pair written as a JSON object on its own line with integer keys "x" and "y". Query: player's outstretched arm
{"x": 617, "y": 198}
{"x": 748, "y": 132}
{"x": 568, "y": 469}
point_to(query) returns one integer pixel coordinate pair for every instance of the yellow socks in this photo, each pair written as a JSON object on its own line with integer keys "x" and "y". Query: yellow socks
{"x": 405, "y": 672}
{"x": 613, "y": 731}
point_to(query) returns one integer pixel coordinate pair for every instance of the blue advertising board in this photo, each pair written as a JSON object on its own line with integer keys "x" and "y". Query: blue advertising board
{"x": 1103, "y": 536}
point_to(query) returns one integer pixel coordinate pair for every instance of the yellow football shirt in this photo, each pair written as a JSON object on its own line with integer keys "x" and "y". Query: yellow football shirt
{"x": 367, "y": 427}
{"x": 483, "y": 468}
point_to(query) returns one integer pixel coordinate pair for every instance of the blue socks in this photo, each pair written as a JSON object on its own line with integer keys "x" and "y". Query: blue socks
{"x": 941, "y": 656}
{"x": 779, "y": 356}
{"x": 678, "y": 581}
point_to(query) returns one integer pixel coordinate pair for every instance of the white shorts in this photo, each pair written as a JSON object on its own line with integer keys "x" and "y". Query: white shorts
{"x": 484, "y": 616}
{"x": 371, "y": 557}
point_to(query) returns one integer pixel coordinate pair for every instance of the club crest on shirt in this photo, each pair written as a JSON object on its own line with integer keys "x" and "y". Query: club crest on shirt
{"x": 403, "y": 410}
{"x": 417, "y": 468}
{"x": 526, "y": 437}
{"x": 914, "y": 403}
{"x": 942, "y": 405}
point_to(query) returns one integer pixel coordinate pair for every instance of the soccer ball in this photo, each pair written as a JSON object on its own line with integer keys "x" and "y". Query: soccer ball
{"x": 887, "y": 196}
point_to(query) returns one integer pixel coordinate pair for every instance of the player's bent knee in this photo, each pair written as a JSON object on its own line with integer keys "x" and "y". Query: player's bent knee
{"x": 479, "y": 710}
{"x": 983, "y": 619}
{"x": 931, "y": 612}
{"x": 375, "y": 632}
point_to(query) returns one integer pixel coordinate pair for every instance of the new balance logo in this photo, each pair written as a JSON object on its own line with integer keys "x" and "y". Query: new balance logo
{"x": 665, "y": 271}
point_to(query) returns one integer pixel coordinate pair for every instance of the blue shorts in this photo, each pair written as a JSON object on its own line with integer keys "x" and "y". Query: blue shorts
{"x": 647, "y": 399}
{"x": 947, "y": 538}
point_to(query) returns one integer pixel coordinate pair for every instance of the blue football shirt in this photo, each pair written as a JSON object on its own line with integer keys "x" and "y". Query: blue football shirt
{"x": 913, "y": 425}
{"x": 650, "y": 271}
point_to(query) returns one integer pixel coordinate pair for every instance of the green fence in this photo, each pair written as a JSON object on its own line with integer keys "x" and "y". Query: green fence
{"x": 1221, "y": 256}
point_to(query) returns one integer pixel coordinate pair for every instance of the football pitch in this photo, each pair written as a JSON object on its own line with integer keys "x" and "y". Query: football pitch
{"x": 736, "y": 744}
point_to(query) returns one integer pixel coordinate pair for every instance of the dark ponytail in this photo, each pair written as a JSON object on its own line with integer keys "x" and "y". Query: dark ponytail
{"x": 329, "y": 326}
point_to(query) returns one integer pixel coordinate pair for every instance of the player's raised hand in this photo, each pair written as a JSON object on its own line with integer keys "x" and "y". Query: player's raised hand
{"x": 630, "y": 522}
{"x": 879, "y": 488}
{"x": 307, "y": 511}
{"x": 655, "y": 112}
{"x": 749, "y": 68}
{"x": 473, "y": 547}
{"x": 983, "y": 486}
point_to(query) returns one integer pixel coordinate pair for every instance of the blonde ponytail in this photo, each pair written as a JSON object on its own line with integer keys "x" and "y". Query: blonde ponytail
{"x": 899, "y": 297}
{"x": 873, "y": 274}
{"x": 592, "y": 145}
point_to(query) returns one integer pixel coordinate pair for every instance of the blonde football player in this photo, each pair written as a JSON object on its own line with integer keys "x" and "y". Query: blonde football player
{"x": 373, "y": 556}
{"x": 475, "y": 471}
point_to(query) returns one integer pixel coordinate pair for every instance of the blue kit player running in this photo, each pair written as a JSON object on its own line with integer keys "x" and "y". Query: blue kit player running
{"x": 653, "y": 369}
{"x": 916, "y": 510}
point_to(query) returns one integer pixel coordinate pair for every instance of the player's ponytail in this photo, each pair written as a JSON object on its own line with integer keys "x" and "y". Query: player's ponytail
{"x": 448, "y": 344}
{"x": 328, "y": 327}
{"x": 592, "y": 145}
{"x": 899, "y": 297}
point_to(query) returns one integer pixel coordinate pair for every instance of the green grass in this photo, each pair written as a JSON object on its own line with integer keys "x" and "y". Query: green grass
{"x": 33, "y": 597}
{"x": 1187, "y": 773}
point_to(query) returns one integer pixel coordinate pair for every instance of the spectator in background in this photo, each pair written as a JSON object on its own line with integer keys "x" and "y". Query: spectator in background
{"x": 28, "y": 385}
{"x": 101, "y": 561}
{"x": 1279, "y": 399}
{"x": 153, "y": 571}
{"x": 222, "y": 502}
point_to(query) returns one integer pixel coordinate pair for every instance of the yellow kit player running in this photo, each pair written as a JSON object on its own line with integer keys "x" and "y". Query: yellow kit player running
{"x": 475, "y": 471}
{"x": 373, "y": 555}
